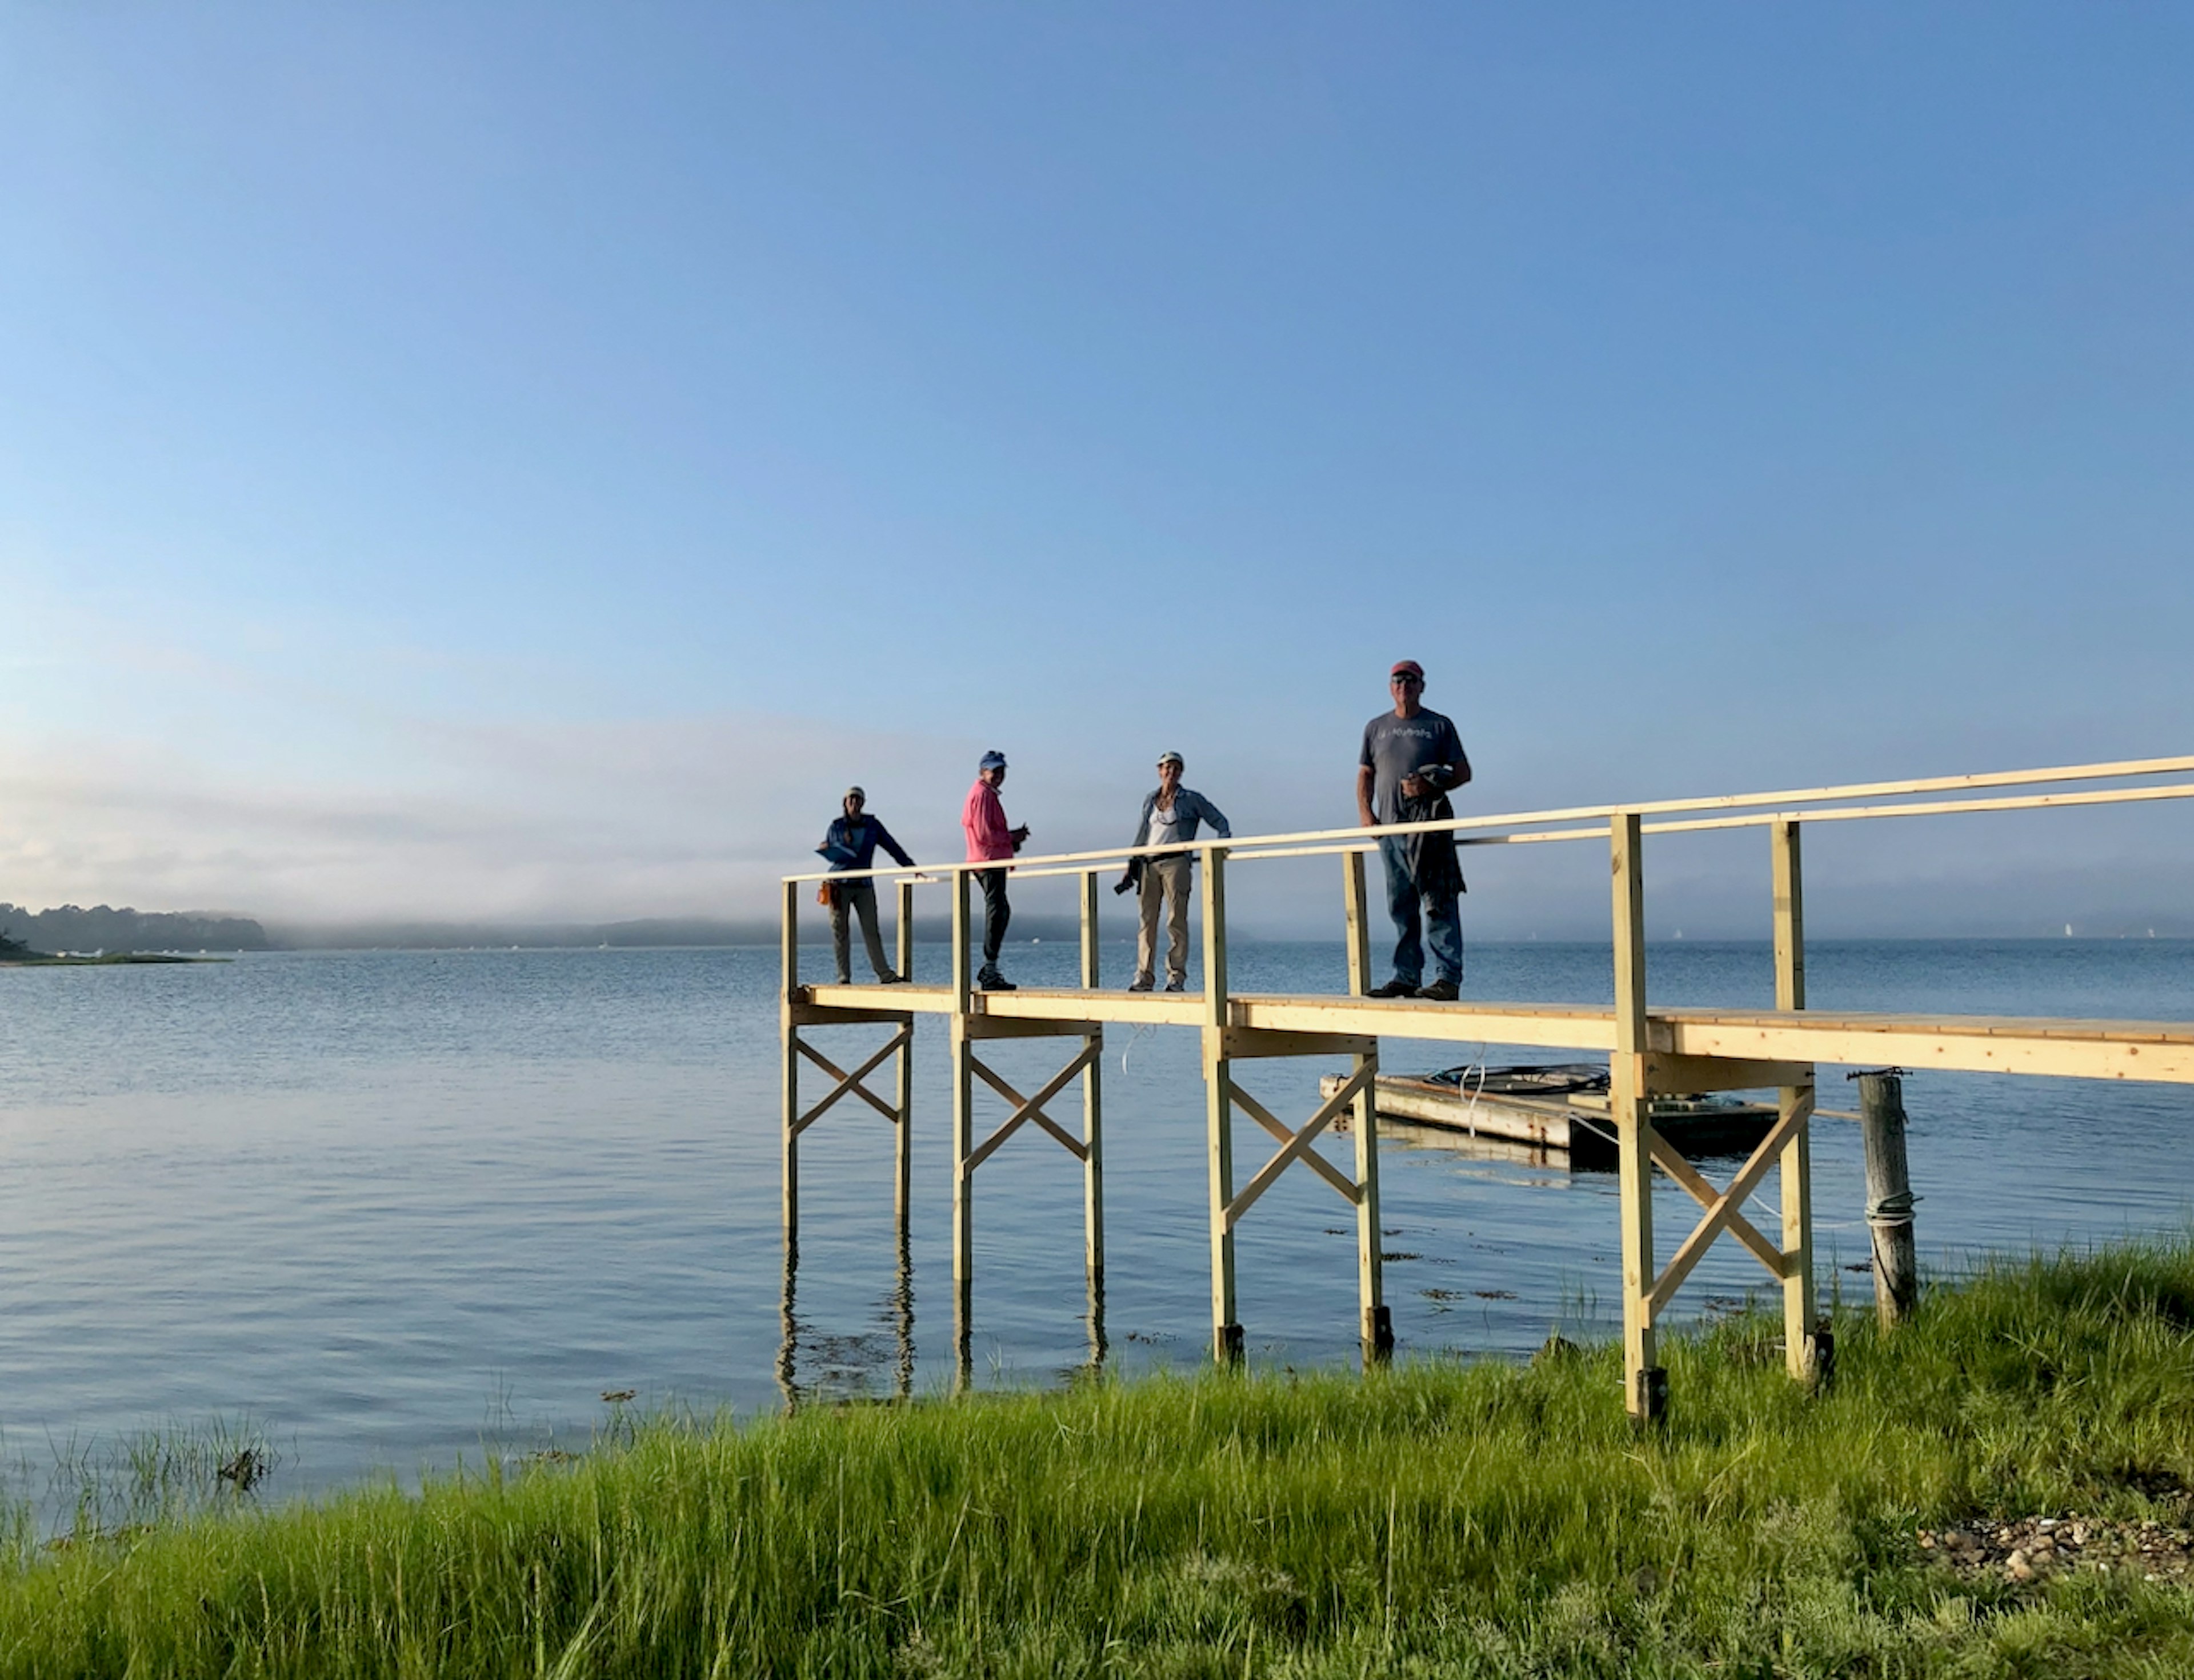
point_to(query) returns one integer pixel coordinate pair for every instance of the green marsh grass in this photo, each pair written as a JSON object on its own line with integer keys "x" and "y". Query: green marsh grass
{"x": 1439, "y": 1519}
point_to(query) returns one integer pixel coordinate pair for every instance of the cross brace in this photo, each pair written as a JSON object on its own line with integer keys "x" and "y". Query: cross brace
{"x": 1295, "y": 1145}
{"x": 851, "y": 1082}
{"x": 1031, "y": 1107}
{"x": 1722, "y": 1206}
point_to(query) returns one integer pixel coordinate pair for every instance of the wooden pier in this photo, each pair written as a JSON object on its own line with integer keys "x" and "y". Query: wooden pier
{"x": 1652, "y": 1051}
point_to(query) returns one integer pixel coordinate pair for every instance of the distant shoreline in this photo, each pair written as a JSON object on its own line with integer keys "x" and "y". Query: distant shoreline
{"x": 46, "y": 959}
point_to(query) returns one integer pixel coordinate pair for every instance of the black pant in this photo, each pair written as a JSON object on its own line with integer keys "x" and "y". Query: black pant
{"x": 997, "y": 913}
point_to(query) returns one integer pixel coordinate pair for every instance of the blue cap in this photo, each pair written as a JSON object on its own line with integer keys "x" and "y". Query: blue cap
{"x": 992, "y": 760}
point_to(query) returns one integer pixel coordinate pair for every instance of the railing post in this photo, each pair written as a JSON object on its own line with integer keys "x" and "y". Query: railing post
{"x": 1219, "y": 1108}
{"x": 906, "y": 1162}
{"x": 1092, "y": 1114}
{"x": 963, "y": 1144}
{"x": 906, "y": 930}
{"x": 1377, "y": 1323}
{"x": 1630, "y": 1106}
{"x": 1359, "y": 924}
{"x": 789, "y": 1032}
{"x": 1808, "y": 1351}
{"x": 1888, "y": 1196}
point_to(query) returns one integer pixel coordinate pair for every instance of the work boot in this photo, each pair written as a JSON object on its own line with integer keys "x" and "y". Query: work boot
{"x": 1141, "y": 982}
{"x": 991, "y": 981}
{"x": 891, "y": 980}
{"x": 1176, "y": 986}
{"x": 1440, "y": 992}
{"x": 1396, "y": 987}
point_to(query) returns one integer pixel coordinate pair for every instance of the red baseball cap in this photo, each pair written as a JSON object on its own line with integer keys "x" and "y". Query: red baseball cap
{"x": 1407, "y": 668}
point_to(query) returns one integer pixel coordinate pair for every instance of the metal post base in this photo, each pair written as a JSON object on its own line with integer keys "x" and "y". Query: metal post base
{"x": 1821, "y": 1358}
{"x": 1378, "y": 1336}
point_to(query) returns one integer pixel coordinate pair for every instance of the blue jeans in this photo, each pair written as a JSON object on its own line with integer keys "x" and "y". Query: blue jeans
{"x": 1440, "y": 926}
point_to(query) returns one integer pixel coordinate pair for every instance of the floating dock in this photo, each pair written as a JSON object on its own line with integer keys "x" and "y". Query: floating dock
{"x": 1560, "y": 1109}
{"x": 1652, "y": 1054}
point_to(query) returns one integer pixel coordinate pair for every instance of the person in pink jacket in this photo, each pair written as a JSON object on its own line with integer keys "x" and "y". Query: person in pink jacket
{"x": 989, "y": 840}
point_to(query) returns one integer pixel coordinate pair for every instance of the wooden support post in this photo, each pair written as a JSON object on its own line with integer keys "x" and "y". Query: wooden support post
{"x": 788, "y": 991}
{"x": 1378, "y": 1324}
{"x": 1645, "y": 1385}
{"x": 1888, "y": 1196}
{"x": 963, "y": 1138}
{"x": 1808, "y": 1350}
{"x": 906, "y": 1162}
{"x": 1092, "y": 1116}
{"x": 1219, "y": 1108}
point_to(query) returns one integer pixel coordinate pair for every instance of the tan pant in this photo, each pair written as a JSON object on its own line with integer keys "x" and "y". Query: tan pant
{"x": 1166, "y": 877}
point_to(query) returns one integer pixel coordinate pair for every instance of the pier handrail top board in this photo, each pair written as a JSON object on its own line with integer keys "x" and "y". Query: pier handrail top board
{"x": 1312, "y": 842}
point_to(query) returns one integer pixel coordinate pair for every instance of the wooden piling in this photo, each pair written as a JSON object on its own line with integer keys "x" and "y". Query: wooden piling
{"x": 1807, "y": 1349}
{"x": 1888, "y": 1196}
{"x": 1219, "y": 1108}
{"x": 1645, "y": 1385}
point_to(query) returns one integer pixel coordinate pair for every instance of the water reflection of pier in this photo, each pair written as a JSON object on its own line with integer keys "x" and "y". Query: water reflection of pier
{"x": 846, "y": 1379}
{"x": 898, "y": 1311}
{"x": 1652, "y": 1052}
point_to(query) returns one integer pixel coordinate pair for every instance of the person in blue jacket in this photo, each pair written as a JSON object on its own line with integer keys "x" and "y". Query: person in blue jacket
{"x": 852, "y": 844}
{"x": 1170, "y": 817}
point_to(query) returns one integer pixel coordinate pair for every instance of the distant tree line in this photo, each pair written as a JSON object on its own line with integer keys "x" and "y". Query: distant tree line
{"x": 72, "y": 928}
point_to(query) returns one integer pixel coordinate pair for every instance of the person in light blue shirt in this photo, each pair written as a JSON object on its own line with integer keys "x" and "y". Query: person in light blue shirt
{"x": 851, "y": 843}
{"x": 1171, "y": 817}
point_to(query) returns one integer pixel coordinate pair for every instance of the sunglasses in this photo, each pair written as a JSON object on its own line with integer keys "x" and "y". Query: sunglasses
{"x": 1405, "y": 681}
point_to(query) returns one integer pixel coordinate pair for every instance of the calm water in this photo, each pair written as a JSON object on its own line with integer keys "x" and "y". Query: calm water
{"x": 402, "y": 1209}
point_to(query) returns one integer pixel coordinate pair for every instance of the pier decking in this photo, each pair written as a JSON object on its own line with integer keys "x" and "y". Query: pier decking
{"x": 2159, "y": 1050}
{"x": 1652, "y": 1051}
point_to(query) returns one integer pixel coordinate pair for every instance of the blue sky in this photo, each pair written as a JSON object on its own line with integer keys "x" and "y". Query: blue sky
{"x": 525, "y": 460}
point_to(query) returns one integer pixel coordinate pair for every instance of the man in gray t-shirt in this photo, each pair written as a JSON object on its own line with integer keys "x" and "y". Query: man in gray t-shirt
{"x": 1409, "y": 754}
